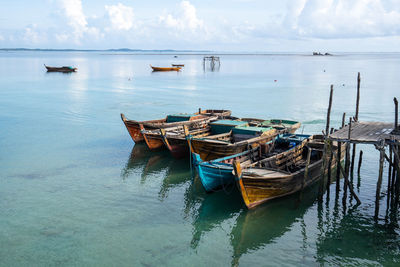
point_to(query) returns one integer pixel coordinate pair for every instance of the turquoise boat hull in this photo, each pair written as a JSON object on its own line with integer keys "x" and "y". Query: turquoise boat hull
{"x": 214, "y": 174}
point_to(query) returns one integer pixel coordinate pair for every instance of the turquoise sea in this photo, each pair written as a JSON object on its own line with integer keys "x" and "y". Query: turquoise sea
{"x": 76, "y": 191}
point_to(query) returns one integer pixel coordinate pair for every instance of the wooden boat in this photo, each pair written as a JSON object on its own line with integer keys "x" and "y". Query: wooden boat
{"x": 133, "y": 126}
{"x": 165, "y": 68}
{"x": 155, "y": 139}
{"x": 281, "y": 175}
{"x": 178, "y": 65}
{"x": 239, "y": 139}
{"x": 61, "y": 69}
{"x": 217, "y": 173}
{"x": 176, "y": 139}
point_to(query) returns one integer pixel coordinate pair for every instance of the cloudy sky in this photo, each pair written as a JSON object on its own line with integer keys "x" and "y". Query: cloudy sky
{"x": 229, "y": 25}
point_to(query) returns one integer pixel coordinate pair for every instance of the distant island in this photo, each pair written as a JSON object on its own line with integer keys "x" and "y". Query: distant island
{"x": 103, "y": 50}
{"x": 321, "y": 54}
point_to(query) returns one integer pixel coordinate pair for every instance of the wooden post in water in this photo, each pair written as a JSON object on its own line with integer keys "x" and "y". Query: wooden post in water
{"x": 396, "y": 114}
{"x": 328, "y": 115}
{"x": 358, "y": 96}
{"x": 394, "y": 170}
{"x": 389, "y": 175}
{"x": 397, "y": 183}
{"x": 343, "y": 119}
{"x": 359, "y": 162}
{"x": 347, "y": 163}
{"x": 328, "y": 183}
{"x": 338, "y": 160}
{"x": 379, "y": 183}
{"x": 338, "y": 165}
{"x": 326, "y": 134}
{"x": 356, "y": 119}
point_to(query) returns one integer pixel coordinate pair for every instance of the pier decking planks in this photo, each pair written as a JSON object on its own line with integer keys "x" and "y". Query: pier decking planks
{"x": 365, "y": 132}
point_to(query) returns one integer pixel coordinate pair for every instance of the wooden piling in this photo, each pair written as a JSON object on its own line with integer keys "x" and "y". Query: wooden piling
{"x": 328, "y": 115}
{"x": 338, "y": 165}
{"x": 324, "y": 161}
{"x": 359, "y": 162}
{"x": 379, "y": 183}
{"x": 358, "y": 96}
{"x": 343, "y": 119}
{"x": 396, "y": 114}
{"x": 397, "y": 183}
{"x": 356, "y": 119}
{"x": 346, "y": 181}
{"x": 328, "y": 183}
{"x": 389, "y": 175}
{"x": 347, "y": 161}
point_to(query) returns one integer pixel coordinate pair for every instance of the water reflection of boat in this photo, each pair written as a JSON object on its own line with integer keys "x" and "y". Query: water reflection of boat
{"x": 178, "y": 173}
{"x": 144, "y": 162}
{"x": 259, "y": 227}
{"x": 213, "y": 210}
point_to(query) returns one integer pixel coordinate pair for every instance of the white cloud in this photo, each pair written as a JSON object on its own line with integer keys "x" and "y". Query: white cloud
{"x": 76, "y": 18}
{"x": 32, "y": 35}
{"x": 1, "y": 38}
{"x": 121, "y": 16}
{"x": 184, "y": 19}
{"x": 343, "y": 19}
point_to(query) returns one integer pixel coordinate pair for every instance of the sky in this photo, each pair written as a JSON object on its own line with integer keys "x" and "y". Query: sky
{"x": 220, "y": 25}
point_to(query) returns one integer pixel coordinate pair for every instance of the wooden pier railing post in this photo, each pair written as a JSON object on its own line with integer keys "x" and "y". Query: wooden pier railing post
{"x": 347, "y": 162}
{"x": 326, "y": 134}
{"x": 359, "y": 162}
{"x": 356, "y": 119}
{"x": 346, "y": 181}
{"x": 396, "y": 114}
{"x": 397, "y": 183}
{"x": 328, "y": 115}
{"x": 343, "y": 119}
{"x": 379, "y": 183}
{"x": 338, "y": 165}
{"x": 389, "y": 189}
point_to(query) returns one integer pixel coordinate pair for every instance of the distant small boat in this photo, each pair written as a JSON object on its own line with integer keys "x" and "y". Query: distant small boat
{"x": 61, "y": 69}
{"x": 165, "y": 69}
{"x": 178, "y": 65}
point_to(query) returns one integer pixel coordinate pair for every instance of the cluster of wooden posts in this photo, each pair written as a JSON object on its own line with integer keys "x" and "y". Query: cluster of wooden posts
{"x": 379, "y": 134}
{"x": 213, "y": 60}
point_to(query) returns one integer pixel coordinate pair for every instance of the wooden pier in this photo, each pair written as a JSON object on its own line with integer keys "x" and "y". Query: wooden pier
{"x": 382, "y": 135}
{"x": 365, "y": 133}
{"x": 214, "y": 62}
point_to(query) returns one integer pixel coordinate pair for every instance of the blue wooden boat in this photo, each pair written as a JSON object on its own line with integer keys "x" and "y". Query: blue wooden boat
{"x": 217, "y": 173}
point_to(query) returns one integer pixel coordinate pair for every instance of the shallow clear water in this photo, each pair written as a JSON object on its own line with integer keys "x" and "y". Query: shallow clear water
{"x": 74, "y": 190}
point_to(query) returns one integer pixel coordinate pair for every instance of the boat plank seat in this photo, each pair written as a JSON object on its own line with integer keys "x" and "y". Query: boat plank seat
{"x": 257, "y": 173}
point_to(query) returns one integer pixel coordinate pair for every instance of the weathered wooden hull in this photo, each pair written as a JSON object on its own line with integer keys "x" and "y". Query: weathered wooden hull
{"x": 60, "y": 69}
{"x": 179, "y": 148}
{"x": 134, "y": 130}
{"x": 212, "y": 150}
{"x": 166, "y": 69}
{"x": 256, "y": 190}
{"x": 153, "y": 142}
